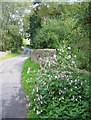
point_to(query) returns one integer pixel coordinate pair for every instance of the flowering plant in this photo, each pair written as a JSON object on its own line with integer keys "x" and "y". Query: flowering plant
{"x": 60, "y": 92}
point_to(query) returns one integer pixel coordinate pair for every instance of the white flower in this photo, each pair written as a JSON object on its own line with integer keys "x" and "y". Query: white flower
{"x": 49, "y": 64}
{"x": 38, "y": 112}
{"x": 85, "y": 80}
{"x": 54, "y": 55}
{"x": 34, "y": 109}
{"x": 63, "y": 98}
{"x": 69, "y": 48}
{"x": 59, "y": 99}
{"x": 76, "y": 80}
{"x": 62, "y": 50}
{"x": 71, "y": 81}
{"x": 29, "y": 104}
{"x": 27, "y": 71}
{"x": 55, "y": 76}
{"x": 71, "y": 90}
{"x": 41, "y": 102}
{"x": 79, "y": 96}
{"x": 37, "y": 89}
{"x": 44, "y": 83}
{"x": 60, "y": 53}
{"x": 75, "y": 56}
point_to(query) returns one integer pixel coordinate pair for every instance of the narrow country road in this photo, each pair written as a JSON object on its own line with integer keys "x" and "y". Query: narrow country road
{"x": 12, "y": 102}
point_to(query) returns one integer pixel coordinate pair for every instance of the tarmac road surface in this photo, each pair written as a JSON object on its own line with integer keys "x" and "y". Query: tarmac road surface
{"x": 12, "y": 102}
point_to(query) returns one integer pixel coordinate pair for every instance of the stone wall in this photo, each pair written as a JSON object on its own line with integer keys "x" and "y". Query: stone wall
{"x": 41, "y": 53}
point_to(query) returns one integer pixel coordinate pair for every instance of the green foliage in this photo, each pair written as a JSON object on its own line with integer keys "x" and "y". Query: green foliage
{"x": 27, "y": 86}
{"x": 11, "y": 40}
{"x": 58, "y": 91}
{"x": 70, "y": 26}
{"x": 14, "y": 22}
{"x": 35, "y": 23}
{"x": 50, "y": 35}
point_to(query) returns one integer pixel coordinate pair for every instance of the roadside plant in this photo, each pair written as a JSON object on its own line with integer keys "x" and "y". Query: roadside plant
{"x": 60, "y": 92}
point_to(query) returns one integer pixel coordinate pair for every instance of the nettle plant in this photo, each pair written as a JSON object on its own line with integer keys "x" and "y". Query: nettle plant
{"x": 60, "y": 92}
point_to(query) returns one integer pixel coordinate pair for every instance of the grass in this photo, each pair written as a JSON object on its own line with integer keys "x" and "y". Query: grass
{"x": 10, "y": 55}
{"x": 27, "y": 77}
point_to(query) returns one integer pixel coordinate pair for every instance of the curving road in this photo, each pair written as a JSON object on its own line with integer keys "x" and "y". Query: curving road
{"x": 12, "y": 102}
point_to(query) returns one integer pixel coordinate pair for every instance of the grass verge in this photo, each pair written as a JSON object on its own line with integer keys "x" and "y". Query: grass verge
{"x": 11, "y": 55}
{"x": 28, "y": 81}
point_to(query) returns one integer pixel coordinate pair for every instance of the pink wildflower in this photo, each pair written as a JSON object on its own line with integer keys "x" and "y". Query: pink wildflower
{"x": 28, "y": 99}
{"x": 50, "y": 92}
{"x": 51, "y": 104}
{"x": 51, "y": 69}
{"x": 38, "y": 99}
{"x": 37, "y": 95}
{"x": 41, "y": 96}
{"x": 62, "y": 76}
{"x": 73, "y": 62}
{"x": 53, "y": 98}
{"x": 27, "y": 96}
{"x": 34, "y": 99}
{"x": 54, "y": 68}
{"x": 60, "y": 92}
{"x": 49, "y": 78}
{"x": 38, "y": 103}
{"x": 69, "y": 83}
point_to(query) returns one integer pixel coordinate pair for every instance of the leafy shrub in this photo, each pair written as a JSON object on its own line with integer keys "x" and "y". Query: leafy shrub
{"x": 51, "y": 34}
{"x": 11, "y": 40}
{"x": 60, "y": 92}
{"x": 55, "y": 32}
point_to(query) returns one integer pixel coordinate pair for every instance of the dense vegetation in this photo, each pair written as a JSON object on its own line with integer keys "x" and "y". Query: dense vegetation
{"x": 56, "y": 91}
{"x": 53, "y": 24}
{"x": 47, "y": 25}
{"x": 12, "y": 27}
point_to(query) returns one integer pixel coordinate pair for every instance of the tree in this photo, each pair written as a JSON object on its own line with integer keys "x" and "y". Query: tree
{"x": 12, "y": 24}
